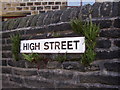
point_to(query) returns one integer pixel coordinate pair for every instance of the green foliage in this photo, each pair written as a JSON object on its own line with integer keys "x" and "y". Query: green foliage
{"x": 32, "y": 57}
{"x": 61, "y": 58}
{"x": 56, "y": 34}
{"x": 15, "y": 46}
{"x": 90, "y": 31}
{"x": 77, "y": 26}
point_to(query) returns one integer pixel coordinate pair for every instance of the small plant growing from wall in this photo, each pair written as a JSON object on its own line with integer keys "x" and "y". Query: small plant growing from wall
{"x": 15, "y": 39}
{"x": 61, "y": 58}
{"x": 90, "y": 31}
{"x": 35, "y": 58}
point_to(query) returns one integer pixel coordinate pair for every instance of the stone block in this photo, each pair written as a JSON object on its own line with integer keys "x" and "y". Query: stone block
{"x": 3, "y": 41}
{"x": 16, "y": 23}
{"x": 103, "y": 23}
{"x": 23, "y": 22}
{"x": 10, "y": 25}
{"x": 6, "y": 55}
{"x": 70, "y": 65}
{"x": 56, "y": 16}
{"x": 62, "y": 27}
{"x": 24, "y": 72}
{"x": 74, "y": 12}
{"x": 85, "y": 11}
{"x": 110, "y": 33}
{"x": 56, "y": 74}
{"x": 5, "y": 77}
{"x": 102, "y": 88}
{"x": 41, "y": 19}
{"x": 92, "y": 67}
{"x": 6, "y": 48}
{"x": 108, "y": 80}
{"x": 20, "y": 63}
{"x": 6, "y": 70}
{"x": 117, "y": 43}
{"x": 62, "y": 84}
{"x": 30, "y": 65}
{"x": 34, "y": 21}
{"x": 48, "y": 18}
{"x": 53, "y": 65}
{"x": 9, "y": 85}
{"x": 105, "y": 9}
{"x": 35, "y": 31}
{"x": 5, "y": 35}
{"x": 27, "y": 21}
{"x": 55, "y": 7}
{"x": 17, "y": 79}
{"x": 65, "y": 17}
{"x": 103, "y": 44}
{"x": 117, "y": 23}
{"x": 96, "y": 11}
{"x": 46, "y": 74}
{"x": 4, "y": 63}
{"x": 113, "y": 66}
{"x": 108, "y": 54}
{"x": 115, "y": 10}
{"x": 33, "y": 82}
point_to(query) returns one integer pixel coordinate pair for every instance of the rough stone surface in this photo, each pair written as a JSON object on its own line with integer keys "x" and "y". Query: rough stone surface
{"x": 47, "y": 19}
{"x": 34, "y": 21}
{"x": 92, "y": 68}
{"x": 72, "y": 65}
{"x": 117, "y": 23}
{"x": 99, "y": 79}
{"x": 102, "y": 73}
{"x": 108, "y": 54}
{"x": 14, "y": 63}
{"x": 65, "y": 16}
{"x": 110, "y": 33}
{"x": 53, "y": 65}
{"x": 115, "y": 67}
{"x": 56, "y": 16}
{"x": 103, "y": 23}
{"x": 105, "y": 9}
{"x": 117, "y": 43}
{"x": 85, "y": 11}
{"x": 103, "y": 44}
{"x": 4, "y": 63}
{"x": 115, "y": 10}
{"x": 96, "y": 11}
{"x": 6, "y": 70}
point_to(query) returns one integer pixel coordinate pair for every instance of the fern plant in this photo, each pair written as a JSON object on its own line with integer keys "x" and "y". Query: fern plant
{"x": 31, "y": 57}
{"x": 15, "y": 39}
{"x": 90, "y": 31}
{"x": 35, "y": 58}
{"x": 77, "y": 26}
{"x": 61, "y": 58}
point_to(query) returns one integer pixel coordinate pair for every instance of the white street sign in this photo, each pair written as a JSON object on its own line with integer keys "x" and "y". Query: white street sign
{"x": 54, "y": 45}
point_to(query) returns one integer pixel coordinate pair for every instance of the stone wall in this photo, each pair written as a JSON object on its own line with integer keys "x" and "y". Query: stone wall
{"x": 102, "y": 73}
{"x": 33, "y": 7}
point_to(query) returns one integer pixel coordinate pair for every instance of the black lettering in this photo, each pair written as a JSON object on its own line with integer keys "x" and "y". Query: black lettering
{"x": 37, "y": 46}
{"x": 57, "y": 45}
{"x": 69, "y": 44}
{"x": 51, "y": 45}
{"x": 25, "y": 46}
{"x": 32, "y": 46}
{"x": 46, "y": 46}
{"x": 76, "y": 44}
{"x": 63, "y": 44}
